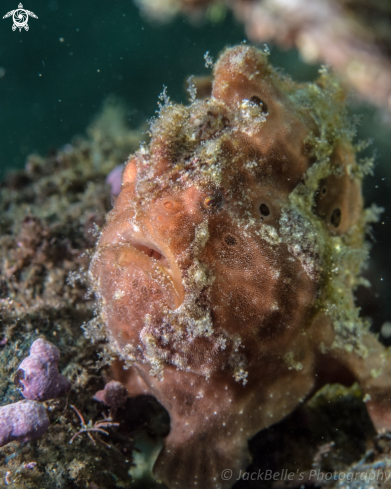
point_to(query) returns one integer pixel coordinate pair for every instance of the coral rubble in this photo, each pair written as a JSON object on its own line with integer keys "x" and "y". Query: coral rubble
{"x": 50, "y": 214}
{"x": 226, "y": 270}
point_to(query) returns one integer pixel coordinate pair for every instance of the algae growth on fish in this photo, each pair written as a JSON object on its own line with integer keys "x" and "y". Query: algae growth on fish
{"x": 225, "y": 273}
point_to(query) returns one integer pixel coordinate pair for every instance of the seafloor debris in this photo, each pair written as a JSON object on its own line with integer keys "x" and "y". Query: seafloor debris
{"x": 22, "y": 421}
{"x": 353, "y": 36}
{"x": 226, "y": 269}
{"x": 38, "y": 374}
{"x": 50, "y": 215}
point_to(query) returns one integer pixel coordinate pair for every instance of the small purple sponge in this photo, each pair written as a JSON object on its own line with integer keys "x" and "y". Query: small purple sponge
{"x": 114, "y": 180}
{"x": 38, "y": 374}
{"x": 114, "y": 395}
{"x": 22, "y": 421}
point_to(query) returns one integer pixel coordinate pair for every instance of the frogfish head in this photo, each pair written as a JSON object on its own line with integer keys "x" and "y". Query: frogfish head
{"x": 214, "y": 253}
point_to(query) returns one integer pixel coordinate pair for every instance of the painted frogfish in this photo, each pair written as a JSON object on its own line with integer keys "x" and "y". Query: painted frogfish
{"x": 226, "y": 269}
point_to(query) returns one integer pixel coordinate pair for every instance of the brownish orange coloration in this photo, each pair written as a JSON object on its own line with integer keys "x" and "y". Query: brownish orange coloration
{"x": 226, "y": 268}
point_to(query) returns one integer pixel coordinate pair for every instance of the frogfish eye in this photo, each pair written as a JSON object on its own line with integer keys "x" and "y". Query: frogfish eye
{"x": 213, "y": 202}
{"x": 264, "y": 210}
{"x": 257, "y": 101}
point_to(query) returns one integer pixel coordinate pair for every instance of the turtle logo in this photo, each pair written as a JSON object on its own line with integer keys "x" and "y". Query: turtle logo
{"x": 20, "y": 17}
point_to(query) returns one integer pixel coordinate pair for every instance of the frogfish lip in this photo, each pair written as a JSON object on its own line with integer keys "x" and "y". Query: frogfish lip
{"x": 151, "y": 250}
{"x": 157, "y": 262}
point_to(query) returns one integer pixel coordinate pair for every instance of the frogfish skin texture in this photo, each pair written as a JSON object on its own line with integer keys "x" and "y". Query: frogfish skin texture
{"x": 225, "y": 272}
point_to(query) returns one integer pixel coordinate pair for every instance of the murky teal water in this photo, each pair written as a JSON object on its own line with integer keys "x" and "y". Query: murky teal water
{"x": 55, "y": 76}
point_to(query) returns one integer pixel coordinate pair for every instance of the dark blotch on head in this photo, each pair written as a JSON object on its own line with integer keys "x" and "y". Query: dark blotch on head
{"x": 230, "y": 240}
{"x": 336, "y": 217}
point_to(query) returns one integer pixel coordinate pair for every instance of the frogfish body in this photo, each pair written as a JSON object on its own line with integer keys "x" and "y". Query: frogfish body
{"x": 226, "y": 268}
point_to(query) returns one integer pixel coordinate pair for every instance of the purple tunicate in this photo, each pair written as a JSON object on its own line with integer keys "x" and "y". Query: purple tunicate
{"x": 114, "y": 180}
{"x": 114, "y": 394}
{"x": 38, "y": 374}
{"x": 22, "y": 421}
